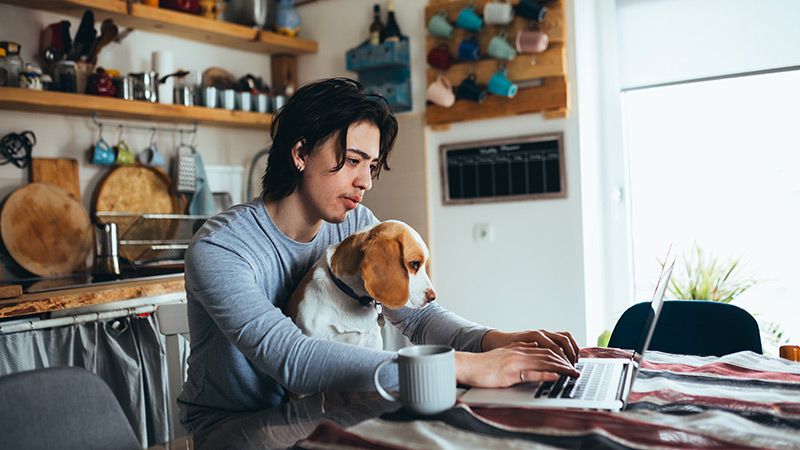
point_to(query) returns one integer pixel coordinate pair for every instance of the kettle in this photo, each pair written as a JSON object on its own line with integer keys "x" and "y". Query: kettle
{"x": 106, "y": 251}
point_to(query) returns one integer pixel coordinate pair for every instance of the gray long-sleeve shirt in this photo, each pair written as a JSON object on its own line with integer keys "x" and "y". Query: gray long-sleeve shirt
{"x": 245, "y": 353}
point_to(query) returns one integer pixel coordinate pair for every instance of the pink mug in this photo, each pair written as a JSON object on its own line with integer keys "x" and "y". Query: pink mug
{"x": 440, "y": 92}
{"x": 532, "y": 41}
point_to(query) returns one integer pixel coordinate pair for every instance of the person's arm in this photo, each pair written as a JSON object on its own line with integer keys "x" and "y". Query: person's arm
{"x": 434, "y": 324}
{"x": 228, "y": 288}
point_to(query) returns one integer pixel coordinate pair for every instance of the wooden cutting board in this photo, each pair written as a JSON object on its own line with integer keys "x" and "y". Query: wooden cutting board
{"x": 46, "y": 230}
{"x": 137, "y": 189}
{"x": 59, "y": 171}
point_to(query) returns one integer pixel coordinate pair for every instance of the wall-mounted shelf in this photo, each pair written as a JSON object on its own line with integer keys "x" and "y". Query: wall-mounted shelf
{"x": 65, "y": 103}
{"x": 547, "y": 69}
{"x": 165, "y": 21}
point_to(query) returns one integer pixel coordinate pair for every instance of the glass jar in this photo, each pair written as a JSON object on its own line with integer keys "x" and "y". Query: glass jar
{"x": 66, "y": 77}
{"x": 3, "y": 68}
{"x": 13, "y": 60}
{"x": 30, "y": 78}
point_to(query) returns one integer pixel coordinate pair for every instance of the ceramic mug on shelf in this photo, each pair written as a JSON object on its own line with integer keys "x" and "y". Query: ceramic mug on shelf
{"x": 470, "y": 90}
{"x": 531, "y": 9}
{"x": 498, "y": 13}
{"x": 440, "y": 92}
{"x": 427, "y": 375}
{"x": 439, "y": 57}
{"x": 500, "y": 48}
{"x": 500, "y": 85}
{"x": 439, "y": 26}
{"x": 468, "y": 19}
{"x": 532, "y": 41}
{"x": 469, "y": 49}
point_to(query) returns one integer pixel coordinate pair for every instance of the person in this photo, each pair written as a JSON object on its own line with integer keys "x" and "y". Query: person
{"x": 328, "y": 143}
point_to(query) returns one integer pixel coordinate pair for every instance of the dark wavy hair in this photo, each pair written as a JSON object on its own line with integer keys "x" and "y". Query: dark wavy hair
{"x": 319, "y": 111}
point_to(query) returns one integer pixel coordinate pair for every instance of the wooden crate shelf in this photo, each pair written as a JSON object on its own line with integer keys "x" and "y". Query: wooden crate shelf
{"x": 550, "y": 98}
{"x": 65, "y": 103}
{"x": 175, "y": 23}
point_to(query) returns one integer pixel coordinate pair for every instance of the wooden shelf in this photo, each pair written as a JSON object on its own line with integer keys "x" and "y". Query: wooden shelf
{"x": 65, "y": 103}
{"x": 165, "y": 21}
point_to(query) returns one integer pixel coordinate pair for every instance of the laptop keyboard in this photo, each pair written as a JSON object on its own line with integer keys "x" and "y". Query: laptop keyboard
{"x": 592, "y": 384}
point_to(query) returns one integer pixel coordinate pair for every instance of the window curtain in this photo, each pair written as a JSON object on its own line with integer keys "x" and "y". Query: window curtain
{"x": 128, "y": 353}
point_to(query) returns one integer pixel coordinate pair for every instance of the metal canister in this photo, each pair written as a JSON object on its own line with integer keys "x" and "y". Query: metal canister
{"x": 124, "y": 87}
{"x": 145, "y": 86}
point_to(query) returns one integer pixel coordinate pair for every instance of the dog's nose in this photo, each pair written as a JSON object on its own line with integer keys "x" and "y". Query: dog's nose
{"x": 430, "y": 295}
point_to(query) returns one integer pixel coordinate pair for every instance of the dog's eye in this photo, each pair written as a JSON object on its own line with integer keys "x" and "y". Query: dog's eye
{"x": 414, "y": 265}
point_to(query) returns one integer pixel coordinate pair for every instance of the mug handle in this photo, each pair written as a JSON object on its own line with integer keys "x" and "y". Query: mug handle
{"x": 445, "y": 81}
{"x": 381, "y": 390}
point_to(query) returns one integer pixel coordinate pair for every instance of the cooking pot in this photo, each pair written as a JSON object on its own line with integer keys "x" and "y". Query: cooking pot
{"x": 259, "y": 13}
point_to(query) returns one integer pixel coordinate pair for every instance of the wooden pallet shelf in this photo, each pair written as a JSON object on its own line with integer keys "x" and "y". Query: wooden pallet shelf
{"x": 550, "y": 98}
{"x": 175, "y": 23}
{"x": 66, "y": 103}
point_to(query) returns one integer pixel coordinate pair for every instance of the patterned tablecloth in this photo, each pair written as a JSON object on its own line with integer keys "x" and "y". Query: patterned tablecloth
{"x": 740, "y": 401}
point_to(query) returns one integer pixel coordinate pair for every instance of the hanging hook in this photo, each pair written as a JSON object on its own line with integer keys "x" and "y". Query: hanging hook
{"x": 152, "y": 136}
{"x": 119, "y": 136}
{"x": 100, "y": 126}
{"x": 194, "y": 139}
{"x": 181, "y": 133}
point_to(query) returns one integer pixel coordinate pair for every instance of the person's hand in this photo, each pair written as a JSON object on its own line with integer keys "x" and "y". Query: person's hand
{"x": 506, "y": 366}
{"x": 561, "y": 343}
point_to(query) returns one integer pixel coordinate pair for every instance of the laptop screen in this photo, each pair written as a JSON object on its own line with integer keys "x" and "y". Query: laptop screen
{"x": 655, "y": 309}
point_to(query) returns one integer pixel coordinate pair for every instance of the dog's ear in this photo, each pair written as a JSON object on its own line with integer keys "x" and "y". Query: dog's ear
{"x": 384, "y": 273}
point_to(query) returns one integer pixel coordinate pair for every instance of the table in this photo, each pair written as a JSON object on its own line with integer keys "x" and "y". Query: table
{"x": 740, "y": 401}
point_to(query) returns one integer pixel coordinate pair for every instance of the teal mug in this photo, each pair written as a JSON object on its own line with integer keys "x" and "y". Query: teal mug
{"x": 103, "y": 154}
{"x": 500, "y": 85}
{"x": 500, "y": 48}
{"x": 468, "y": 19}
{"x": 439, "y": 26}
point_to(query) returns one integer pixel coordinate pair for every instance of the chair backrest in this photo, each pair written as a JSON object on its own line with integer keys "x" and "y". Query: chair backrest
{"x": 173, "y": 320}
{"x": 61, "y": 407}
{"x": 691, "y": 327}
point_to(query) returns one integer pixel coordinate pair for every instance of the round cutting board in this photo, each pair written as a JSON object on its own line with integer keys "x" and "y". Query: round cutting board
{"x": 135, "y": 189}
{"x": 46, "y": 230}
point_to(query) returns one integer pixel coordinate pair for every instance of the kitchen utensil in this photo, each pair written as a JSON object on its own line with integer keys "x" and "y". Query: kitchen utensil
{"x": 186, "y": 170}
{"x": 66, "y": 76}
{"x": 145, "y": 86}
{"x": 46, "y": 230}
{"x": 227, "y": 99}
{"x": 108, "y": 31}
{"x": 84, "y": 37}
{"x": 106, "y": 250}
{"x": 62, "y": 172}
{"x": 124, "y": 87}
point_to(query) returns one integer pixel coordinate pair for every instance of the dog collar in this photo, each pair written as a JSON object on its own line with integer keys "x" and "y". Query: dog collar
{"x": 365, "y": 300}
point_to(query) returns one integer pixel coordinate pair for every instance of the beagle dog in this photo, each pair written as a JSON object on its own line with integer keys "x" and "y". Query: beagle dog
{"x": 342, "y": 296}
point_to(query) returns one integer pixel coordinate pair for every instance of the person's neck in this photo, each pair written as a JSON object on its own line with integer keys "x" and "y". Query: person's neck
{"x": 292, "y": 219}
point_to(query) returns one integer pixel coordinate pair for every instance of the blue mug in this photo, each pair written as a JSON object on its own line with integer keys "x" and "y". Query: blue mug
{"x": 469, "y": 19}
{"x": 103, "y": 153}
{"x": 469, "y": 49}
{"x": 500, "y": 85}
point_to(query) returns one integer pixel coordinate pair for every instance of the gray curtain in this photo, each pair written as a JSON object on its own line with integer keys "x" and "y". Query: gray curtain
{"x": 128, "y": 353}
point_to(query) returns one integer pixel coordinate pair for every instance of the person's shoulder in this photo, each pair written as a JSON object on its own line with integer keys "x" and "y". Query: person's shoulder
{"x": 235, "y": 219}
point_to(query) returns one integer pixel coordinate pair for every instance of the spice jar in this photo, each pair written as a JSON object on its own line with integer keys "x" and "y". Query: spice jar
{"x": 66, "y": 77}
{"x": 31, "y": 78}
{"x": 3, "y": 68}
{"x": 13, "y": 60}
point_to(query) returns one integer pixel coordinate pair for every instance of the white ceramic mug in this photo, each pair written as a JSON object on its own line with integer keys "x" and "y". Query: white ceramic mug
{"x": 498, "y": 13}
{"x": 427, "y": 376}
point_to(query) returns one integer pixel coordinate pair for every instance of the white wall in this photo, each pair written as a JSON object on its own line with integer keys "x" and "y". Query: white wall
{"x": 531, "y": 275}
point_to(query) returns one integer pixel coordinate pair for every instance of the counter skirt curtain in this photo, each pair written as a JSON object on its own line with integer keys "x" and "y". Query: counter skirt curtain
{"x": 128, "y": 353}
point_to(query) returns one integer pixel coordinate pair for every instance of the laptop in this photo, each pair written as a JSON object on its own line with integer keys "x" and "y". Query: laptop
{"x": 604, "y": 383}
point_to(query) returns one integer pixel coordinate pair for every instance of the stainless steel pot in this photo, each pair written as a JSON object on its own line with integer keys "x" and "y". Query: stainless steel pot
{"x": 259, "y": 13}
{"x": 106, "y": 250}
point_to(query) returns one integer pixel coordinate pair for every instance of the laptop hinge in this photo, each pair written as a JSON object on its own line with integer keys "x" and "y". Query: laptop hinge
{"x": 626, "y": 383}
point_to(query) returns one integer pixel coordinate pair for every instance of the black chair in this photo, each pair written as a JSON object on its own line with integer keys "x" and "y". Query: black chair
{"x": 61, "y": 408}
{"x": 691, "y": 327}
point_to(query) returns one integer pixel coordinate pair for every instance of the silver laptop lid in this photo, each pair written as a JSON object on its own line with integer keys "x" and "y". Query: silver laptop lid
{"x": 655, "y": 310}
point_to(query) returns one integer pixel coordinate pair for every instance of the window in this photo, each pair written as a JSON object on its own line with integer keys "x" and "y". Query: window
{"x": 718, "y": 163}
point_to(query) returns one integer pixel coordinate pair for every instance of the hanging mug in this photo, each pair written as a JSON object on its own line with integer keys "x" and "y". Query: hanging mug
{"x": 124, "y": 155}
{"x": 500, "y": 48}
{"x": 440, "y": 58}
{"x": 468, "y": 19}
{"x": 439, "y": 26}
{"x": 103, "y": 154}
{"x": 500, "y": 85}
{"x": 440, "y": 92}
{"x": 531, "y": 9}
{"x": 532, "y": 41}
{"x": 498, "y": 13}
{"x": 151, "y": 156}
{"x": 469, "y": 49}
{"x": 469, "y": 90}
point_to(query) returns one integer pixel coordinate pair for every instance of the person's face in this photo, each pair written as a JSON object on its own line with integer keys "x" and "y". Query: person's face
{"x": 331, "y": 195}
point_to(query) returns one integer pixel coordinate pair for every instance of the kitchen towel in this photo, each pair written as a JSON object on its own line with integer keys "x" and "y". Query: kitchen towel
{"x": 203, "y": 202}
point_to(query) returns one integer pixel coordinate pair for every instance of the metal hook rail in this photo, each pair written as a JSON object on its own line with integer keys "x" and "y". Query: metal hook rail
{"x": 120, "y": 125}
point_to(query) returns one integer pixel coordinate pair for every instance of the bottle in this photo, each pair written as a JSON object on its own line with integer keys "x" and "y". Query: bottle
{"x": 3, "y": 68}
{"x": 376, "y": 28}
{"x": 392, "y": 31}
{"x": 13, "y": 61}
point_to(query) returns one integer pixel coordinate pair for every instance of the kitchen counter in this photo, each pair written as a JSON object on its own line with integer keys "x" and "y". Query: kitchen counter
{"x": 44, "y": 302}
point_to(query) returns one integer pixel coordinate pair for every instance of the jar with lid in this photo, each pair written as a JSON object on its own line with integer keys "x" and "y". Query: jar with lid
{"x": 13, "y": 60}
{"x": 3, "y": 68}
{"x": 31, "y": 78}
{"x": 66, "y": 77}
